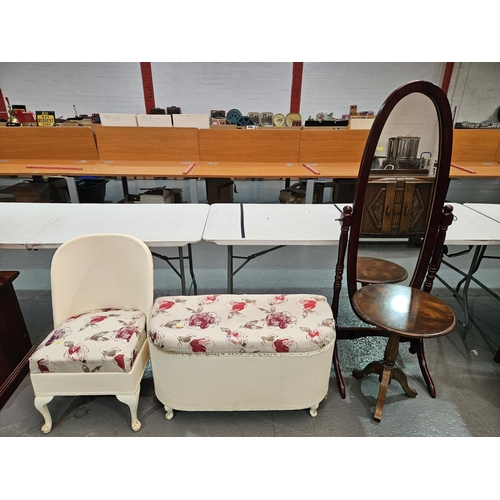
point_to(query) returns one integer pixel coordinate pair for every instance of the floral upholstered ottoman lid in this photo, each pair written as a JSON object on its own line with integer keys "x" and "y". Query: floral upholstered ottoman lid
{"x": 283, "y": 323}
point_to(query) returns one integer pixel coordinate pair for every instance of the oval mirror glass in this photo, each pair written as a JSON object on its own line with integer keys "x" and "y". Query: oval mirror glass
{"x": 396, "y": 189}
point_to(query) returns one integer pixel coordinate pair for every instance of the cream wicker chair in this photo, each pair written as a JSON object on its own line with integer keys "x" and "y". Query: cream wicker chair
{"x": 102, "y": 294}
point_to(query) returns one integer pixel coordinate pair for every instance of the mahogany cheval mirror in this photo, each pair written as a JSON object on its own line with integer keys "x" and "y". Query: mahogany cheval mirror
{"x": 400, "y": 195}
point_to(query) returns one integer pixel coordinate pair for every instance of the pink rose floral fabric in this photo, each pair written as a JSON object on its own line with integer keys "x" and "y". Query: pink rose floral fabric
{"x": 103, "y": 340}
{"x": 241, "y": 323}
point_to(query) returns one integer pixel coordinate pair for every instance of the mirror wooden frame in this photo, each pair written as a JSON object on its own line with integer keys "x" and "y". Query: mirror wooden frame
{"x": 434, "y": 235}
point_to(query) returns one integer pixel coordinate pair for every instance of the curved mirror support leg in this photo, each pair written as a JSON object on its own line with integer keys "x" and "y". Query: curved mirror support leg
{"x": 417, "y": 347}
{"x": 345, "y": 222}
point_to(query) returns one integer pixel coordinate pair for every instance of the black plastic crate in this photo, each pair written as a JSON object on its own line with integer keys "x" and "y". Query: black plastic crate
{"x": 91, "y": 190}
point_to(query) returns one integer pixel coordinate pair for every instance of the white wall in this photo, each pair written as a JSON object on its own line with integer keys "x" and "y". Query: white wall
{"x": 199, "y": 87}
{"x": 475, "y": 91}
{"x": 91, "y": 87}
{"x": 333, "y": 87}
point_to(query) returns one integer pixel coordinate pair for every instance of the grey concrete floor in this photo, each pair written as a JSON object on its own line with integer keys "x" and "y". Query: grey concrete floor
{"x": 465, "y": 375}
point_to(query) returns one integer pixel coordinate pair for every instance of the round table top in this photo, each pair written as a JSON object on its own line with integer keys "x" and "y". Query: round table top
{"x": 371, "y": 270}
{"x": 404, "y": 310}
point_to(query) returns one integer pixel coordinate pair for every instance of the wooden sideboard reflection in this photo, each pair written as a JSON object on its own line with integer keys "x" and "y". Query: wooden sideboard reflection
{"x": 396, "y": 206}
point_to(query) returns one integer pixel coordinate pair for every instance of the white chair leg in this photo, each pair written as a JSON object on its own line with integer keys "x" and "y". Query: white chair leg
{"x": 41, "y": 403}
{"x": 170, "y": 413}
{"x": 132, "y": 401}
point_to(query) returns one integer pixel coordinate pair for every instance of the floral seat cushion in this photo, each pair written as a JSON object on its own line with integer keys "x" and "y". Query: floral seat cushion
{"x": 102, "y": 340}
{"x": 241, "y": 323}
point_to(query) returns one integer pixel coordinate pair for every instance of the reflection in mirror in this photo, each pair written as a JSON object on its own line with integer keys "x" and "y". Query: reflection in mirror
{"x": 399, "y": 191}
{"x": 410, "y": 137}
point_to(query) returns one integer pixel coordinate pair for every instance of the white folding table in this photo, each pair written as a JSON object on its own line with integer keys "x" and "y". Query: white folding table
{"x": 274, "y": 225}
{"x": 48, "y": 225}
{"x": 476, "y": 225}
{"x": 491, "y": 210}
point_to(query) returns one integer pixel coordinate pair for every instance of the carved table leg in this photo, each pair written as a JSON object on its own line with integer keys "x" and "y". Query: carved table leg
{"x": 373, "y": 367}
{"x": 399, "y": 376}
{"x": 390, "y": 355}
{"x": 384, "y": 384}
{"x": 387, "y": 370}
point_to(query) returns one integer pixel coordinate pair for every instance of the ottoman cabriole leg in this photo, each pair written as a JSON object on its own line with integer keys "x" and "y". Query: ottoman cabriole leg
{"x": 314, "y": 410}
{"x": 169, "y": 415}
{"x": 41, "y": 403}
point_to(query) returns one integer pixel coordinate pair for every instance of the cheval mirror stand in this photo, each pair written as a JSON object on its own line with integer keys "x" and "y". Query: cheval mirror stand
{"x": 402, "y": 197}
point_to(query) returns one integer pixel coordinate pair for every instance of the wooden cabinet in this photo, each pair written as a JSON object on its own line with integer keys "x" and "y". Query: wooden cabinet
{"x": 396, "y": 206}
{"x": 15, "y": 343}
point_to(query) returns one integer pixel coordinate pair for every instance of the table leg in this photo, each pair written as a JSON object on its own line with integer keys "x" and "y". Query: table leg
{"x": 125, "y": 187}
{"x": 384, "y": 384}
{"x": 182, "y": 272}
{"x": 462, "y": 298}
{"x": 474, "y": 266}
{"x": 72, "y": 190}
{"x": 193, "y": 190}
{"x": 309, "y": 190}
{"x": 191, "y": 269}
{"x": 387, "y": 370}
{"x": 230, "y": 263}
{"x": 230, "y": 269}
{"x": 373, "y": 367}
{"x": 390, "y": 355}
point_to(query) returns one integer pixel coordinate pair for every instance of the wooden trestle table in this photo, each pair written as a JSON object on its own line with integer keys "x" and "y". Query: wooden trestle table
{"x": 193, "y": 171}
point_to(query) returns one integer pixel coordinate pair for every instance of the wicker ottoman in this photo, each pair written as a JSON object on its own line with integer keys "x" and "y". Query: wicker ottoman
{"x": 241, "y": 352}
